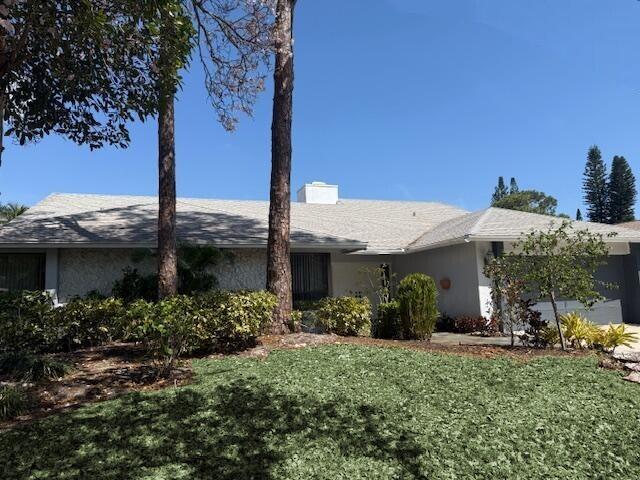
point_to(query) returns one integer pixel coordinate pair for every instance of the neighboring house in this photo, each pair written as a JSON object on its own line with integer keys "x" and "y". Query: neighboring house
{"x": 71, "y": 244}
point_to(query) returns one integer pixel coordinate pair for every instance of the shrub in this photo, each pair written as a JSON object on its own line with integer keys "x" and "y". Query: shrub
{"x": 13, "y": 402}
{"x": 445, "y": 323}
{"x": 417, "y": 296}
{"x": 388, "y": 324}
{"x": 26, "y": 367}
{"x": 295, "y": 323}
{"x": 241, "y": 316}
{"x": 306, "y": 305}
{"x": 474, "y": 324}
{"x": 133, "y": 286}
{"x": 168, "y": 328}
{"x": 579, "y": 331}
{"x": 217, "y": 321}
{"x": 86, "y": 322}
{"x": 24, "y": 321}
{"x": 535, "y": 334}
{"x": 346, "y": 316}
{"x": 30, "y": 323}
{"x": 615, "y": 336}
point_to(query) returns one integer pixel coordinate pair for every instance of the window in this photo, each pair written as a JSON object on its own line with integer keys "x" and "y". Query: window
{"x": 22, "y": 271}
{"x": 310, "y": 276}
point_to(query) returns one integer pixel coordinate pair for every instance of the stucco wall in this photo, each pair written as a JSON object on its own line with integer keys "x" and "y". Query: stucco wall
{"x": 245, "y": 270}
{"x": 347, "y": 277}
{"x": 458, "y": 263}
{"x": 83, "y": 270}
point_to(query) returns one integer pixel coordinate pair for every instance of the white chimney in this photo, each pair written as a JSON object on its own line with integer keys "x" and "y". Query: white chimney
{"x": 318, "y": 192}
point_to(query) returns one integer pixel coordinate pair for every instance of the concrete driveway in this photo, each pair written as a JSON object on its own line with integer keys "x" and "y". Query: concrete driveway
{"x": 444, "y": 338}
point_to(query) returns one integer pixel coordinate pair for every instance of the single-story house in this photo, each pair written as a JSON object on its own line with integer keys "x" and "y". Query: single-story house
{"x": 70, "y": 244}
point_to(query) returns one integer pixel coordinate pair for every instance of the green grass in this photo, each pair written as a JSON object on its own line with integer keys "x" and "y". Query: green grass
{"x": 347, "y": 412}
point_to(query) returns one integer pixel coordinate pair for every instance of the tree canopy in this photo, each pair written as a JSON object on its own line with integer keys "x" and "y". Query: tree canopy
{"x": 560, "y": 262}
{"x": 594, "y": 186}
{"x": 80, "y": 69}
{"x": 621, "y": 191}
{"x": 500, "y": 191}
{"x": 530, "y": 201}
{"x": 10, "y": 211}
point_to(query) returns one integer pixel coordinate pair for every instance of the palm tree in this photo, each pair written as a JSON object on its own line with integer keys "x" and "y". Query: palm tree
{"x": 10, "y": 211}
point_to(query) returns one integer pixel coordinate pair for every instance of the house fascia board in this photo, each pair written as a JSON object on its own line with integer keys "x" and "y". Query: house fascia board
{"x": 346, "y": 246}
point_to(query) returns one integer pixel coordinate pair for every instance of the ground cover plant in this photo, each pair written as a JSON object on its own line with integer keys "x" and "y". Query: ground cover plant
{"x": 349, "y": 412}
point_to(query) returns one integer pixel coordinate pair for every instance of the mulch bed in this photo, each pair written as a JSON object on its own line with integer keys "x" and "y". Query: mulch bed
{"x": 99, "y": 373}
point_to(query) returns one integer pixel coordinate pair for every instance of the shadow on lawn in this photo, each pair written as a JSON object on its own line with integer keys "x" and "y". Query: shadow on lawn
{"x": 238, "y": 430}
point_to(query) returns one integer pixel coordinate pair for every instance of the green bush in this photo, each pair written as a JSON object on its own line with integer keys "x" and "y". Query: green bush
{"x": 13, "y": 402}
{"x": 417, "y": 297}
{"x": 295, "y": 323}
{"x": 87, "y": 322}
{"x": 168, "y": 328}
{"x": 133, "y": 286}
{"x": 239, "y": 317}
{"x": 30, "y": 323}
{"x": 26, "y": 367}
{"x": 24, "y": 321}
{"x": 388, "y": 324}
{"x": 216, "y": 321}
{"x": 346, "y": 316}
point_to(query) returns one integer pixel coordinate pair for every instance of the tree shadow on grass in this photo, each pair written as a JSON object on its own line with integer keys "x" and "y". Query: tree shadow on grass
{"x": 240, "y": 430}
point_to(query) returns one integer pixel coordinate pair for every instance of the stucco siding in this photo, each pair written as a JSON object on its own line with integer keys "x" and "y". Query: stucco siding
{"x": 83, "y": 270}
{"x": 348, "y": 277}
{"x": 458, "y": 263}
{"x": 246, "y": 269}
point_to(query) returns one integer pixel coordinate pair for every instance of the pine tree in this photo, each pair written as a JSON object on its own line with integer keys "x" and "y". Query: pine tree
{"x": 594, "y": 186}
{"x": 513, "y": 187}
{"x": 621, "y": 191}
{"x": 500, "y": 191}
{"x": 579, "y": 215}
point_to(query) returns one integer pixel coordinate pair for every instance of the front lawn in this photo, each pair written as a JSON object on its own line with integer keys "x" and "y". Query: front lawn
{"x": 349, "y": 412}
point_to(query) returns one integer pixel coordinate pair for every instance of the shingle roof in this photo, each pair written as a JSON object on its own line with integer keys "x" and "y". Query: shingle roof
{"x": 634, "y": 225}
{"x": 112, "y": 219}
{"x": 377, "y": 226}
{"x": 497, "y": 224}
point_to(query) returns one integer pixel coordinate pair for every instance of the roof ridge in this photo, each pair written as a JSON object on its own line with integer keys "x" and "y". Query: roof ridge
{"x": 483, "y": 216}
{"x": 450, "y": 220}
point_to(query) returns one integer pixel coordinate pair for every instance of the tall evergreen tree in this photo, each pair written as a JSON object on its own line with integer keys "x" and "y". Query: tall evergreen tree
{"x": 278, "y": 244}
{"x": 513, "y": 187}
{"x": 621, "y": 191}
{"x": 500, "y": 191}
{"x": 594, "y": 186}
{"x": 579, "y": 215}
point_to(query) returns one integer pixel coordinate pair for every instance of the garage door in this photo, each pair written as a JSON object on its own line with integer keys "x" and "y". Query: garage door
{"x": 602, "y": 313}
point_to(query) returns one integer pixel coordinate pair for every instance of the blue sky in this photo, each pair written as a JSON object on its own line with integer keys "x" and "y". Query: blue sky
{"x": 399, "y": 99}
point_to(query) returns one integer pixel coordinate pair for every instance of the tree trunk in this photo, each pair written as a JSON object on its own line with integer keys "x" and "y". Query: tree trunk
{"x": 3, "y": 103}
{"x": 167, "y": 249}
{"x": 552, "y": 297}
{"x": 278, "y": 252}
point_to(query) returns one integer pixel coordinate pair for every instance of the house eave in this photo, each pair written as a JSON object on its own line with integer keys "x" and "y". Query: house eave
{"x": 327, "y": 246}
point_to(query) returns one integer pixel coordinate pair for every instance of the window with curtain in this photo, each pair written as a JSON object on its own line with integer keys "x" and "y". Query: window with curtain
{"x": 22, "y": 271}
{"x": 310, "y": 276}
